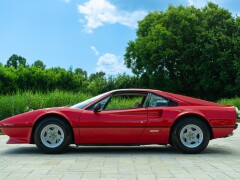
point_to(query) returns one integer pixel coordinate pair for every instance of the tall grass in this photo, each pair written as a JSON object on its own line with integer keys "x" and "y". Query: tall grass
{"x": 231, "y": 101}
{"x": 123, "y": 102}
{"x": 21, "y": 102}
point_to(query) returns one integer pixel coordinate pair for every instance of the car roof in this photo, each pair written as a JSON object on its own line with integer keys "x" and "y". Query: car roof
{"x": 135, "y": 89}
{"x": 162, "y": 93}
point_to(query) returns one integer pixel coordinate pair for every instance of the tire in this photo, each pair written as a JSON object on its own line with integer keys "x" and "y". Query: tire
{"x": 52, "y": 135}
{"x": 190, "y": 135}
{"x": 170, "y": 142}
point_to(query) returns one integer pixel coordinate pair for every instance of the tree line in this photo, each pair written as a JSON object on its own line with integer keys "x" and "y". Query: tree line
{"x": 17, "y": 76}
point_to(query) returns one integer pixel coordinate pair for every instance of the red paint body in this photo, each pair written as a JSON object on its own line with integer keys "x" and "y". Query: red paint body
{"x": 150, "y": 125}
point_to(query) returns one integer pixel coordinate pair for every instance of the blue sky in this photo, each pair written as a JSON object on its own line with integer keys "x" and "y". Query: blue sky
{"x": 89, "y": 34}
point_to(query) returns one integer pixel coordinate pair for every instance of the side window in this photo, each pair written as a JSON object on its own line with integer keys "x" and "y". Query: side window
{"x": 102, "y": 103}
{"x": 126, "y": 102}
{"x": 157, "y": 101}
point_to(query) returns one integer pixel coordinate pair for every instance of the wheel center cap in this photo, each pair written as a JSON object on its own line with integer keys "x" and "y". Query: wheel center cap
{"x": 52, "y": 135}
{"x": 190, "y": 135}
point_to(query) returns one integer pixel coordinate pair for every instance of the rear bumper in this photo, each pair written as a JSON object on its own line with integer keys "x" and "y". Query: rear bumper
{"x": 219, "y": 132}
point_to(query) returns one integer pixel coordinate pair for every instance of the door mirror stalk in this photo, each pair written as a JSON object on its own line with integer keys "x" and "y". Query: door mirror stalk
{"x": 97, "y": 108}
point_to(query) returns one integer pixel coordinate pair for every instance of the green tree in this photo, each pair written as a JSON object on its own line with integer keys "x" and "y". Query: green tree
{"x": 15, "y": 61}
{"x": 97, "y": 75}
{"x": 39, "y": 64}
{"x": 97, "y": 83}
{"x": 8, "y": 78}
{"x": 81, "y": 72}
{"x": 187, "y": 50}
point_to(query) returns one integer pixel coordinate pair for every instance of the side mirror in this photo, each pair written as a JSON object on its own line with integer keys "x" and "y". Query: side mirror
{"x": 97, "y": 107}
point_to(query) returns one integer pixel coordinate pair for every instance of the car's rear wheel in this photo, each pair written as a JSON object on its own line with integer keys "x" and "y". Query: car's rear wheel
{"x": 52, "y": 135}
{"x": 190, "y": 135}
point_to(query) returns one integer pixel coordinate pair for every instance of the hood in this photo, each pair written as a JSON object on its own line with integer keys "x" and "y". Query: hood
{"x": 193, "y": 101}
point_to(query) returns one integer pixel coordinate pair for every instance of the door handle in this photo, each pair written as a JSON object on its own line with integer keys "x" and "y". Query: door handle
{"x": 143, "y": 121}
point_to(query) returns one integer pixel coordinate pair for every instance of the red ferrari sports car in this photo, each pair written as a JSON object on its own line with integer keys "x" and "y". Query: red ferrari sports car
{"x": 125, "y": 117}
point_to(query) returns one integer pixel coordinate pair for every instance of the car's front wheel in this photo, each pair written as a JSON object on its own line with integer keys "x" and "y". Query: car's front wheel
{"x": 190, "y": 135}
{"x": 52, "y": 135}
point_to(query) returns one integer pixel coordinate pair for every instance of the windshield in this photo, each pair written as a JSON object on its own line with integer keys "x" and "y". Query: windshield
{"x": 88, "y": 101}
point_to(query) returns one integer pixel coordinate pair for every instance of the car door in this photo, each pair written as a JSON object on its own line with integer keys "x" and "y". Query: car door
{"x": 156, "y": 130}
{"x": 112, "y": 126}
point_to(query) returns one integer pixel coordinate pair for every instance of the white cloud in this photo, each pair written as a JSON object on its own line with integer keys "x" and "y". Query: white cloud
{"x": 66, "y": 1}
{"x": 99, "y": 12}
{"x": 110, "y": 64}
{"x": 197, "y": 3}
{"x": 202, "y": 3}
{"x": 94, "y": 50}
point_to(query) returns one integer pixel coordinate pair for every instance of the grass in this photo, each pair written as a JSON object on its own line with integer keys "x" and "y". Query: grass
{"x": 21, "y": 102}
{"x": 231, "y": 101}
{"x": 123, "y": 103}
